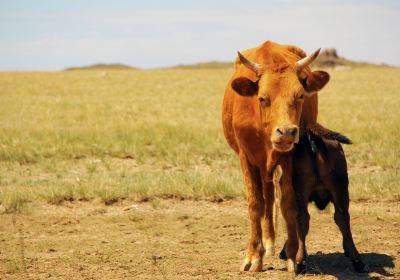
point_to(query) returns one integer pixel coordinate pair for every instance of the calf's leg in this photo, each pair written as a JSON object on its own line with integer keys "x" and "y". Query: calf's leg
{"x": 342, "y": 219}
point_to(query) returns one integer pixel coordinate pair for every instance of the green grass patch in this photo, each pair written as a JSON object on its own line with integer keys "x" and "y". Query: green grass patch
{"x": 81, "y": 135}
{"x": 14, "y": 201}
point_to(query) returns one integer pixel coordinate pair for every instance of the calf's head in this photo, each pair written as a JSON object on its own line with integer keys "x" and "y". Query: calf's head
{"x": 281, "y": 89}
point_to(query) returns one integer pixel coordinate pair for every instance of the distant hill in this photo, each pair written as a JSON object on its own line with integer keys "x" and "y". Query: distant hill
{"x": 327, "y": 58}
{"x": 102, "y": 66}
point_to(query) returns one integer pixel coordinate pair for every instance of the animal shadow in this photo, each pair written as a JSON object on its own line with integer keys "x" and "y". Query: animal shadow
{"x": 336, "y": 264}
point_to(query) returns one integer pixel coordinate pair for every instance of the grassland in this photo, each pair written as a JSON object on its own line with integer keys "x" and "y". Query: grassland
{"x": 83, "y": 135}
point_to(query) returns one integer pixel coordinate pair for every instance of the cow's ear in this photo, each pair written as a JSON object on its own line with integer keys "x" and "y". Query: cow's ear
{"x": 316, "y": 81}
{"x": 244, "y": 86}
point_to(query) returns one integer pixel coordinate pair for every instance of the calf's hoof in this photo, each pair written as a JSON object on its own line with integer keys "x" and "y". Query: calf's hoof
{"x": 301, "y": 268}
{"x": 282, "y": 255}
{"x": 359, "y": 266}
{"x": 252, "y": 266}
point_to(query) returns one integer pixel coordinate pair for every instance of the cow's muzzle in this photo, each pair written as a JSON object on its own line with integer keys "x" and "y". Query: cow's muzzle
{"x": 284, "y": 137}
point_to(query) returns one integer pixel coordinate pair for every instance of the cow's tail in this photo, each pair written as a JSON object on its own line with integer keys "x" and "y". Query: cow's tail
{"x": 318, "y": 130}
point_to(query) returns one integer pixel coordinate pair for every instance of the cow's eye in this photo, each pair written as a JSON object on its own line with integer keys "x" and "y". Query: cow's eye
{"x": 300, "y": 96}
{"x": 267, "y": 102}
{"x": 264, "y": 101}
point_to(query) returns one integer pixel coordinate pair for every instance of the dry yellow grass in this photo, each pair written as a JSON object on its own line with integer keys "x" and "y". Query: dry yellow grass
{"x": 116, "y": 134}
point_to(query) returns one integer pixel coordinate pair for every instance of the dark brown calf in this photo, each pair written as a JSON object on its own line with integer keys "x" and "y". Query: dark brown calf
{"x": 320, "y": 176}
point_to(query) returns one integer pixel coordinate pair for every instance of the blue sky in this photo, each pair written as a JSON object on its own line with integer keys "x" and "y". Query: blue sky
{"x": 52, "y": 35}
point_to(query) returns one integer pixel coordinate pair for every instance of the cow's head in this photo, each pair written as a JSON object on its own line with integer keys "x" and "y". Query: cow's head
{"x": 281, "y": 89}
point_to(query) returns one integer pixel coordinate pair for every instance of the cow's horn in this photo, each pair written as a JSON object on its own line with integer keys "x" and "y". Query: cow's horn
{"x": 256, "y": 68}
{"x": 304, "y": 62}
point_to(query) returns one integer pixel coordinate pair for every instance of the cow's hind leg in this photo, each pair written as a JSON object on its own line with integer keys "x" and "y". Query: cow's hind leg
{"x": 255, "y": 250}
{"x": 342, "y": 219}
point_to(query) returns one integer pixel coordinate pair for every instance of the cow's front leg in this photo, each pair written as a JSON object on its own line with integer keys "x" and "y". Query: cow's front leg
{"x": 302, "y": 186}
{"x": 289, "y": 212}
{"x": 267, "y": 220}
{"x": 255, "y": 250}
{"x": 303, "y": 224}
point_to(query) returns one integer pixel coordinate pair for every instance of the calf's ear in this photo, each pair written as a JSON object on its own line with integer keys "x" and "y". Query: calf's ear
{"x": 244, "y": 86}
{"x": 316, "y": 81}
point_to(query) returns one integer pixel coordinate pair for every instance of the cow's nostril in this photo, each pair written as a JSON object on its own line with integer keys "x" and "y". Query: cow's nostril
{"x": 286, "y": 131}
{"x": 293, "y": 131}
{"x": 280, "y": 132}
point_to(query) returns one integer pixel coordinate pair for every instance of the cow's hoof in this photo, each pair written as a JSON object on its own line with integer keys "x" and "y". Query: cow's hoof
{"x": 291, "y": 266}
{"x": 346, "y": 253}
{"x": 301, "y": 268}
{"x": 282, "y": 255}
{"x": 252, "y": 266}
{"x": 360, "y": 267}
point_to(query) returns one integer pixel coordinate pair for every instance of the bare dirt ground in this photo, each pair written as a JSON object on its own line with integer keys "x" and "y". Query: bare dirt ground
{"x": 171, "y": 239}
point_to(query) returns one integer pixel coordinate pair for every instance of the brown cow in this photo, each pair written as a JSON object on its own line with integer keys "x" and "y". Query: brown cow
{"x": 320, "y": 175}
{"x": 269, "y": 99}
